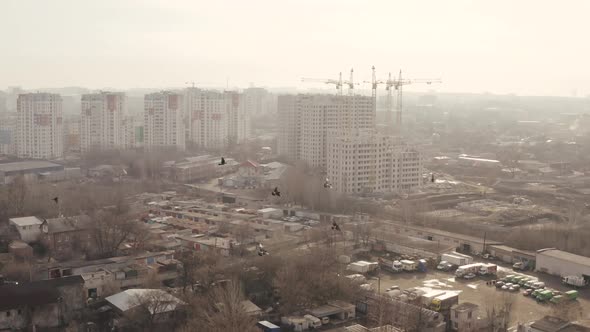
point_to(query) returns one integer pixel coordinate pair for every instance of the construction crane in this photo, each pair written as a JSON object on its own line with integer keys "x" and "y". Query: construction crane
{"x": 339, "y": 83}
{"x": 396, "y": 84}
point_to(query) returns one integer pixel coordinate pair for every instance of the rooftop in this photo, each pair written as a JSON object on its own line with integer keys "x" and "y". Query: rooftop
{"x": 465, "y": 306}
{"x": 250, "y": 163}
{"x": 550, "y": 324}
{"x": 34, "y": 293}
{"x": 26, "y": 221}
{"x": 26, "y": 165}
{"x": 566, "y": 256}
{"x": 68, "y": 224}
{"x": 132, "y": 298}
{"x": 250, "y": 308}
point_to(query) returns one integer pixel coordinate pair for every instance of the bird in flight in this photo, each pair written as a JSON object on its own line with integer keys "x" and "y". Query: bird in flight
{"x": 276, "y": 192}
{"x": 327, "y": 184}
{"x": 335, "y": 226}
{"x": 55, "y": 199}
{"x": 261, "y": 250}
{"x": 222, "y": 161}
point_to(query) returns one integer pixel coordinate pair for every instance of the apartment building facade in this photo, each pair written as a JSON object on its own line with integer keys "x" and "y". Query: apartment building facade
{"x": 101, "y": 121}
{"x": 216, "y": 120}
{"x": 368, "y": 162}
{"x": 307, "y": 121}
{"x": 164, "y": 120}
{"x": 259, "y": 101}
{"x": 39, "y": 128}
{"x": 8, "y": 133}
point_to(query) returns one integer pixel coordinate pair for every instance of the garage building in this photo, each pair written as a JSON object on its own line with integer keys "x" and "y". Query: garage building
{"x": 561, "y": 263}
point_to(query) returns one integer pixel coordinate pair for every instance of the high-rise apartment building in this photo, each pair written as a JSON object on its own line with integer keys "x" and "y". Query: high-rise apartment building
{"x": 101, "y": 121}
{"x": 258, "y": 101}
{"x": 372, "y": 163}
{"x": 8, "y": 133}
{"x": 72, "y": 137}
{"x": 216, "y": 119}
{"x": 306, "y": 121}
{"x": 164, "y": 120}
{"x": 39, "y": 126}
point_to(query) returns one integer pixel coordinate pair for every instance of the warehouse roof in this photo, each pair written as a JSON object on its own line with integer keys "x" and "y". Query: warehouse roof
{"x": 564, "y": 255}
{"x": 26, "y": 165}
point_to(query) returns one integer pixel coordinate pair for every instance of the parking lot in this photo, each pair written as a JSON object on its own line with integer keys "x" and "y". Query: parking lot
{"x": 478, "y": 292}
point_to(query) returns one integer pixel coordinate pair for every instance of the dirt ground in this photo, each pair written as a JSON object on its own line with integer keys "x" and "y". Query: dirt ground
{"x": 476, "y": 291}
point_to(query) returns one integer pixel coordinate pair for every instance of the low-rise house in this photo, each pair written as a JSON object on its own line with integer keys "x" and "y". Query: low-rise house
{"x": 20, "y": 250}
{"x": 465, "y": 318}
{"x": 43, "y": 304}
{"x": 250, "y": 170}
{"x": 28, "y": 228}
{"x": 65, "y": 235}
{"x": 99, "y": 284}
{"x": 154, "y": 304}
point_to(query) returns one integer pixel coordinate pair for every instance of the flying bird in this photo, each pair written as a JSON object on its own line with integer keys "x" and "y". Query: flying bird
{"x": 276, "y": 192}
{"x": 327, "y": 183}
{"x": 222, "y": 161}
{"x": 335, "y": 226}
{"x": 261, "y": 250}
{"x": 55, "y": 199}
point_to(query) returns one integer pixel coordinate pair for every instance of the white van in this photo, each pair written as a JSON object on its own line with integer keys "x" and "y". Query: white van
{"x": 314, "y": 322}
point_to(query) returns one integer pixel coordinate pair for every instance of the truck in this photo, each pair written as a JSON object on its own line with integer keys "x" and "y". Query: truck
{"x": 571, "y": 295}
{"x": 409, "y": 266}
{"x": 456, "y": 259}
{"x": 488, "y": 269}
{"x": 314, "y": 322}
{"x": 266, "y": 326}
{"x": 444, "y": 302}
{"x": 544, "y": 296}
{"x": 466, "y": 269}
{"x": 426, "y": 298}
{"x": 357, "y": 278}
{"x": 362, "y": 267}
{"x": 391, "y": 266}
{"x": 444, "y": 266}
{"x": 575, "y": 281}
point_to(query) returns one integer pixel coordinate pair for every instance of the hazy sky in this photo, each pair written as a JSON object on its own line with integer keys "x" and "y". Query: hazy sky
{"x": 501, "y": 46}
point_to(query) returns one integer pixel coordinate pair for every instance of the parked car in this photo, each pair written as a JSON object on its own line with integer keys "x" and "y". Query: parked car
{"x": 469, "y": 276}
{"x": 527, "y": 292}
{"x": 514, "y": 288}
{"x": 499, "y": 284}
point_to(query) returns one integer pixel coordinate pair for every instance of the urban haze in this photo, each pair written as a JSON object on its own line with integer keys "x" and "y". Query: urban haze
{"x": 258, "y": 166}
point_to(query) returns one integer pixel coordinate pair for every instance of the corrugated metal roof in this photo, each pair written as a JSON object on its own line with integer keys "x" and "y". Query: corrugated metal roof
{"x": 564, "y": 255}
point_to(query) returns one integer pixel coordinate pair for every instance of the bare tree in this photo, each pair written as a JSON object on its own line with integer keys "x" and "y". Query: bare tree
{"x": 499, "y": 308}
{"x": 510, "y": 159}
{"x": 198, "y": 268}
{"x": 222, "y": 312}
{"x": 313, "y": 278}
{"x": 152, "y": 307}
{"x": 109, "y": 231}
{"x": 16, "y": 196}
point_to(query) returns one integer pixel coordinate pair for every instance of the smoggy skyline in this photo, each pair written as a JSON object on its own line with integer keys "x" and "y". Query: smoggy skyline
{"x": 524, "y": 47}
